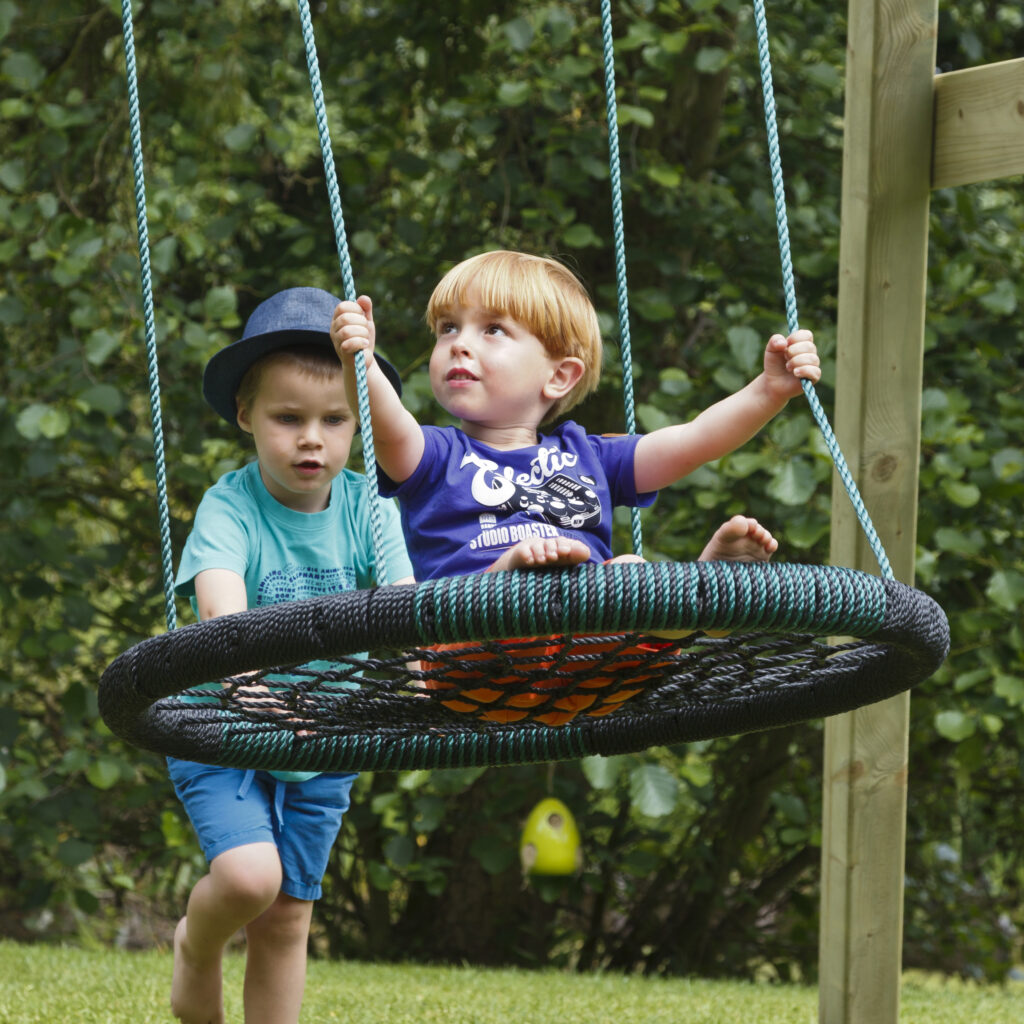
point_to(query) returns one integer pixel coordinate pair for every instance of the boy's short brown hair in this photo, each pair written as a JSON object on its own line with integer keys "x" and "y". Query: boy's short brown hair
{"x": 312, "y": 360}
{"x": 540, "y": 293}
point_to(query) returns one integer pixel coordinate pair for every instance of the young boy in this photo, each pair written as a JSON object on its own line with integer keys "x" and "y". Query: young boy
{"x": 291, "y": 525}
{"x": 517, "y": 344}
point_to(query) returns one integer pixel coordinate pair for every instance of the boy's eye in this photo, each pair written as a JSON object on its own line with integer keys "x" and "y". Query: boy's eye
{"x": 446, "y": 327}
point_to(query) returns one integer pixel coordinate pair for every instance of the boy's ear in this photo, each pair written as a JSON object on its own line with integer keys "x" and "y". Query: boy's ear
{"x": 565, "y": 375}
{"x": 243, "y": 420}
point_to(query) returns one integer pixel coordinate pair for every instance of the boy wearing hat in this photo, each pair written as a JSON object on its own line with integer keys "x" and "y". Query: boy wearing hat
{"x": 293, "y": 524}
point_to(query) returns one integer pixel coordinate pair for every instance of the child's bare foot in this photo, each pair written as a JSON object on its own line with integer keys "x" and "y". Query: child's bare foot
{"x": 741, "y": 539}
{"x": 542, "y": 553}
{"x": 196, "y": 996}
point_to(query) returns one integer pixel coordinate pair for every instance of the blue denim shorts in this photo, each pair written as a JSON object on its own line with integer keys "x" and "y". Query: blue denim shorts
{"x": 229, "y": 807}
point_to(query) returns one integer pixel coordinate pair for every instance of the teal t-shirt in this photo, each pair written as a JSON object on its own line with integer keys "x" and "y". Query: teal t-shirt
{"x": 284, "y": 555}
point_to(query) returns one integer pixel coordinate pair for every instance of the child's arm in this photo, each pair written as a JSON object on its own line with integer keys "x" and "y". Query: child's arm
{"x": 219, "y": 592}
{"x": 397, "y": 437}
{"x": 667, "y": 455}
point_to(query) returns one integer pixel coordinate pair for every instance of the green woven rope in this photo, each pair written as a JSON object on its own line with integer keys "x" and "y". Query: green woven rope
{"x": 135, "y": 131}
{"x": 789, "y": 289}
{"x": 615, "y": 177}
{"x": 341, "y": 241}
{"x": 494, "y": 605}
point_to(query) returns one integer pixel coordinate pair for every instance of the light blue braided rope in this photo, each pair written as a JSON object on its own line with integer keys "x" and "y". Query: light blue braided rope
{"x": 147, "y": 309}
{"x": 789, "y": 288}
{"x": 341, "y": 238}
{"x": 615, "y": 174}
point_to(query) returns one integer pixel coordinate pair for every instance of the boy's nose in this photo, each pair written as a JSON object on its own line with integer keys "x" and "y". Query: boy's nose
{"x": 310, "y": 436}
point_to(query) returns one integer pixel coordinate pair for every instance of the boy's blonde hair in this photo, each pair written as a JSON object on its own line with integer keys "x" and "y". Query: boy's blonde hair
{"x": 541, "y": 294}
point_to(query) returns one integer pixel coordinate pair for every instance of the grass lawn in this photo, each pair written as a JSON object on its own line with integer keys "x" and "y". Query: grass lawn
{"x": 72, "y": 986}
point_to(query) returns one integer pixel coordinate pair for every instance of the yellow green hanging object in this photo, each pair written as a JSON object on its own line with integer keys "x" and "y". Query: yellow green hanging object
{"x": 550, "y": 844}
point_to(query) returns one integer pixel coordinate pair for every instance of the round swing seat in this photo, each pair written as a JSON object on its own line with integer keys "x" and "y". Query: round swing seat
{"x": 757, "y": 657}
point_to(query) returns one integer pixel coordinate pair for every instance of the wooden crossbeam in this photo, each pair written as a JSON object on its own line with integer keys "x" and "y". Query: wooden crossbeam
{"x": 979, "y": 124}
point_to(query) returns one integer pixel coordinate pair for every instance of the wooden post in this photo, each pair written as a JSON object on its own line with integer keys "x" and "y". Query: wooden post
{"x": 882, "y": 267}
{"x": 979, "y": 124}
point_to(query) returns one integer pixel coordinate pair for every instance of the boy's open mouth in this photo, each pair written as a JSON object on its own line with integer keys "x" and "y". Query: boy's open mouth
{"x": 460, "y": 373}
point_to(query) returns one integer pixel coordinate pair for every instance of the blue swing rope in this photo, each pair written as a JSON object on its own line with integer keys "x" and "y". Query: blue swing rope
{"x": 350, "y": 292}
{"x": 789, "y": 288}
{"x": 618, "y": 230}
{"x": 348, "y": 283}
{"x": 166, "y": 554}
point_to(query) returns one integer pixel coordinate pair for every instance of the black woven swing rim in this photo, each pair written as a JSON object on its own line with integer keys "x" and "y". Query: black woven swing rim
{"x": 904, "y": 638}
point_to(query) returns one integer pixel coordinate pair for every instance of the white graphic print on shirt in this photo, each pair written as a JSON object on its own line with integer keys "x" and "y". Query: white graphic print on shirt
{"x": 546, "y": 492}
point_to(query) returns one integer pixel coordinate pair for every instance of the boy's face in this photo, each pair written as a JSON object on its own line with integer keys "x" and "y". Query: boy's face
{"x": 302, "y": 428}
{"x": 491, "y": 372}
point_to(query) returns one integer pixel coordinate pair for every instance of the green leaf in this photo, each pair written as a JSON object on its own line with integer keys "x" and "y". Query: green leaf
{"x": 413, "y": 779}
{"x": 791, "y": 808}
{"x": 24, "y": 71}
{"x": 653, "y": 304}
{"x": 102, "y": 398}
{"x": 603, "y": 772}
{"x": 519, "y": 33}
{"x": 1008, "y": 464}
{"x": 164, "y": 253}
{"x": 12, "y": 311}
{"x": 8, "y": 12}
{"x": 40, "y": 420}
{"x": 630, "y": 114}
{"x": 513, "y": 94}
{"x": 696, "y": 772}
{"x": 675, "y": 382}
{"x": 366, "y": 242}
{"x": 380, "y": 875}
{"x": 12, "y": 175}
{"x": 494, "y": 854}
{"x": 1006, "y": 589}
{"x": 428, "y": 813}
{"x": 954, "y": 725}
{"x": 73, "y": 852}
{"x": 175, "y": 832}
{"x": 959, "y": 541}
{"x": 653, "y": 790}
{"x": 400, "y": 850}
{"x": 793, "y": 482}
{"x": 711, "y": 59}
{"x": 666, "y": 176}
{"x": 1002, "y": 299}
{"x": 826, "y": 75}
{"x": 746, "y": 347}
{"x": 241, "y": 137}
{"x": 220, "y": 304}
{"x": 104, "y": 772}
{"x": 100, "y": 344}
{"x": 651, "y": 417}
{"x": 965, "y": 495}
{"x": 579, "y": 236}
{"x": 1010, "y": 688}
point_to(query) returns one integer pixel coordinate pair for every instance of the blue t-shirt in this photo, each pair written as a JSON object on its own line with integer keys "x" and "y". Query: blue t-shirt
{"x": 467, "y": 502}
{"x": 285, "y": 555}
{"x": 282, "y": 554}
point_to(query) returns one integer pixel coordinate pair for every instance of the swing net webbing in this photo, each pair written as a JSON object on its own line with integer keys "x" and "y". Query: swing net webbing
{"x": 519, "y": 667}
{"x": 378, "y": 713}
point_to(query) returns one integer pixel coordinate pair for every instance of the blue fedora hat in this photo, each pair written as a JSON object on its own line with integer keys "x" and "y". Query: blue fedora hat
{"x": 295, "y": 316}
